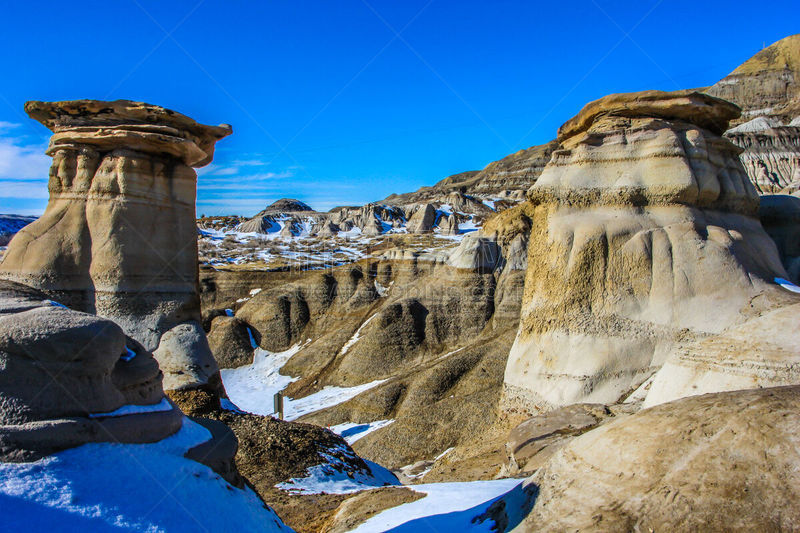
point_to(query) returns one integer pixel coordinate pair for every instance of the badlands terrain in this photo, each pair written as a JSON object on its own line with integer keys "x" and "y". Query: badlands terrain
{"x": 596, "y": 334}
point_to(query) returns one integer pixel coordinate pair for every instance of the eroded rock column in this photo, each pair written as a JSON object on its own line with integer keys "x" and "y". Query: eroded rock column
{"x": 118, "y": 237}
{"x": 645, "y": 236}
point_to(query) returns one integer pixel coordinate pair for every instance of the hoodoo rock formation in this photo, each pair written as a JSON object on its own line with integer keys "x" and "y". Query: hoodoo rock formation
{"x": 118, "y": 237}
{"x": 644, "y": 236}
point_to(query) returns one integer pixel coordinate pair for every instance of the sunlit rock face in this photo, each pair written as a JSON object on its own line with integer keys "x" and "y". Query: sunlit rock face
{"x": 118, "y": 236}
{"x": 644, "y": 235}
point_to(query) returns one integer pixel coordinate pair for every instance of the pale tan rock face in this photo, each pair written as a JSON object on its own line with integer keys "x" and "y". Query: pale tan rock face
{"x": 118, "y": 237}
{"x": 719, "y": 462}
{"x": 644, "y": 236}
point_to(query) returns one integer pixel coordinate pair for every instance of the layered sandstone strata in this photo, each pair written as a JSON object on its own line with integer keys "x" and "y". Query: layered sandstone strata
{"x": 771, "y": 155}
{"x": 118, "y": 237}
{"x": 644, "y": 236}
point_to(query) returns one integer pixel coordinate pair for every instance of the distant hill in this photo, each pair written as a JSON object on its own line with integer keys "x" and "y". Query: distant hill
{"x": 767, "y": 84}
{"x": 11, "y": 224}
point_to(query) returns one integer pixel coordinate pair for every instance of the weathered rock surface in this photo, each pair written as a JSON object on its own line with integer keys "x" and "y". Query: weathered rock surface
{"x": 118, "y": 237}
{"x": 230, "y": 342}
{"x": 449, "y": 225}
{"x": 767, "y": 84}
{"x": 533, "y": 442}
{"x": 771, "y": 156}
{"x": 644, "y": 236}
{"x": 423, "y": 219}
{"x": 718, "y": 462}
{"x": 63, "y": 374}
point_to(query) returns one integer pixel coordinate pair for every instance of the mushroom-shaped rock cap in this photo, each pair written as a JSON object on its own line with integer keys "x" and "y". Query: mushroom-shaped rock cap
{"x": 124, "y": 123}
{"x": 690, "y": 106}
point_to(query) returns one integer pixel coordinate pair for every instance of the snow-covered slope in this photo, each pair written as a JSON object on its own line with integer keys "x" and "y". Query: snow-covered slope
{"x": 129, "y": 487}
{"x": 446, "y": 507}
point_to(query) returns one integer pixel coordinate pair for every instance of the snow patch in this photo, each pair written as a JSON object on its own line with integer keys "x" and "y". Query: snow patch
{"x": 446, "y": 507}
{"x": 356, "y": 336}
{"x": 110, "y": 487}
{"x": 132, "y": 409}
{"x": 252, "y": 387}
{"x": 352, "y": 431}
{"x": 788, "y": 285}
{"x": 336, "y": 477}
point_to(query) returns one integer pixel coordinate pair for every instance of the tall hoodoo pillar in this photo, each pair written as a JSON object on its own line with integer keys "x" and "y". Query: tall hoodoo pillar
{"x": 118, "y": 237}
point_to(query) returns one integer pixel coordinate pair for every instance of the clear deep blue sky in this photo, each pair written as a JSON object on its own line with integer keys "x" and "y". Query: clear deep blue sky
{"x": 344, "y": 102}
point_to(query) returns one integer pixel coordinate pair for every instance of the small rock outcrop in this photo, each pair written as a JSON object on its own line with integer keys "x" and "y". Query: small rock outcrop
{"x": 118, "y": 237}
{"x": 69, "y": 378}
{"x": 644, "y": 236}
{"x": 448, "y": 225}
{"x": 719, "y": 462}
{"x": 423, "y": 219}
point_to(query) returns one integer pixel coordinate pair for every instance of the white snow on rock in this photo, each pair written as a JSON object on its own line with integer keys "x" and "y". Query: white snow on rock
{"x": 788, "y": 285}
{"x": 252, "y": 387}
{"x": 447, "y": 507}
{"x": 110, "y": 487}
{"x": 757, "y": 124}
{"x": 163, "y": 405}
{"x": 356, "y": 336}
{"x": 335, "y": 477}
{"x": 327, "y": 397}
{"x": 353, "y": 431}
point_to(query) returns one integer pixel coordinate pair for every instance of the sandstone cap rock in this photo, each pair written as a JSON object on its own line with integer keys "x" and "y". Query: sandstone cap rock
{"x": 690, "y": 106}
{"x": 145, "y": 127}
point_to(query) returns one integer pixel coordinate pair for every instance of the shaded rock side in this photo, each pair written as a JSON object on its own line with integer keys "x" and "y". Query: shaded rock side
{"x": 644, "y": 234}
{"x": 780, "y": 216}
{"x": 63, "y": 374}
{"x": 718, "y": 462}
{"x": 118, "y": 237}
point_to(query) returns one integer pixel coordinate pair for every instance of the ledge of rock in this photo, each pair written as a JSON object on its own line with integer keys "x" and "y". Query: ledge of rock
{"x": 719, "y": 462}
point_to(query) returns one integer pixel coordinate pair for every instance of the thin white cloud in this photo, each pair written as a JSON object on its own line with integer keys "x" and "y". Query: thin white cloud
{"x": 22, "y": 161}
{"x": 26, "y": 190}
{"x": 4, "y": 126}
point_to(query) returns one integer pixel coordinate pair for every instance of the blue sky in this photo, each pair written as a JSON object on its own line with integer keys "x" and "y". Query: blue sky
{"x": 346, "y": 102}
